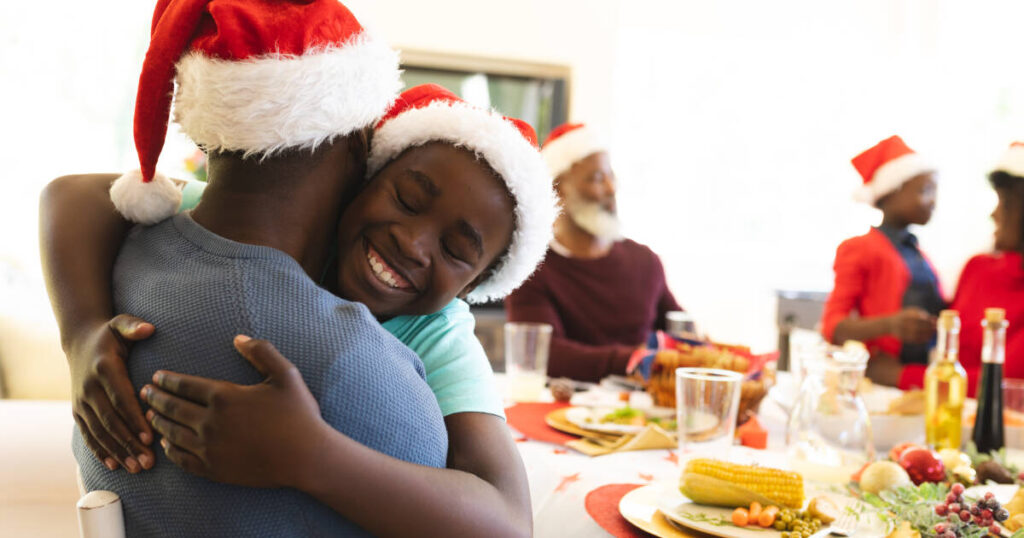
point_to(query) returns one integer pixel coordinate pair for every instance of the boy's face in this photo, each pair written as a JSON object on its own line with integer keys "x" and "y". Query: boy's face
{"x": 423, "y": 231}
{"x": 913, "y": 202}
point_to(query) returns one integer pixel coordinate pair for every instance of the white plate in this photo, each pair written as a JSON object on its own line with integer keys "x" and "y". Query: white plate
{"x": 587, "y": 418}
{"x": 1003, "y": 492}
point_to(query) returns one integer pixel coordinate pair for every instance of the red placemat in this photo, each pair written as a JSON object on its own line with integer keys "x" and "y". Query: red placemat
{"x": 528, "y": 418}
{"x": 603, "y": 506}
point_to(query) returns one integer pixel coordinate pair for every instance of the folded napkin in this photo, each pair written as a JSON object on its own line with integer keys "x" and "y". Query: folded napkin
{"x": 651, "y": 437}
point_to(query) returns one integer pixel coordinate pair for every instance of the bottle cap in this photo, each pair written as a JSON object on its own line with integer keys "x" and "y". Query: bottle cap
{"x": 995, "y": 315}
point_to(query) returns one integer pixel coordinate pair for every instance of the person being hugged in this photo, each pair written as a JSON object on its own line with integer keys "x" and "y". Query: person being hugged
{"x": 886, "y": 292}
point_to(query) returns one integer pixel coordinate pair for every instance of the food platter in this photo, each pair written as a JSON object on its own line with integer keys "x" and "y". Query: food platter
{"x": 590, "y": 419}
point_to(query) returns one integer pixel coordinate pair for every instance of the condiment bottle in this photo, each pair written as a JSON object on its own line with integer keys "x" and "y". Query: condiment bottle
{"x": 988, "y": 423}
{"x": 945, "y": 383}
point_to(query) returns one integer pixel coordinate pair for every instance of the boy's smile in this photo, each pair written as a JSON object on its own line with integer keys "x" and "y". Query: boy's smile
{"x": 425, "y": 230}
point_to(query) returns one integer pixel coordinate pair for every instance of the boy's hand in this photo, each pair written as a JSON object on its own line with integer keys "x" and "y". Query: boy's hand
{"x": 249, "y": 435}
{"x": 913, "y": 325}
{"x": 102, "y": 397}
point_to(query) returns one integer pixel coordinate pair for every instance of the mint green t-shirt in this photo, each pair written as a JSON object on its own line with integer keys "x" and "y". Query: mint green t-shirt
{"x": 457, "y": 368}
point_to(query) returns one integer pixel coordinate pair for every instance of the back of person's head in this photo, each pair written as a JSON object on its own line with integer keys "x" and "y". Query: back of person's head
{"x": 1008, "y": 181}
{"x": 256, "y": 79}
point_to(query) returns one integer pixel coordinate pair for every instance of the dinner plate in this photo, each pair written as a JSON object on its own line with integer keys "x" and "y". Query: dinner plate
{"x": 587, "y": 418}
{"x": 682, "y": 517}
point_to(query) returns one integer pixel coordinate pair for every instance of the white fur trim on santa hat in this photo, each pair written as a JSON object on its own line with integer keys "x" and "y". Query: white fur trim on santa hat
{"x": 145, "y": 203}
{"x": 561, "y": 153}
{"x": 891, "y": 175}
{"x": 1012, "y": 161}
{"x": 276, "y": 102}
{"x": 519, "y": 164}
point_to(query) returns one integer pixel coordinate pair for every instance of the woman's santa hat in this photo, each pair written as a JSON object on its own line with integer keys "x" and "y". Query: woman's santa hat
{"x": 885, "y": 167}
{"x": 253, "y": 76}
{"x": 430, "y": 113}
{"x": 569, "y": 143}
{"x": 1013, "y": 160}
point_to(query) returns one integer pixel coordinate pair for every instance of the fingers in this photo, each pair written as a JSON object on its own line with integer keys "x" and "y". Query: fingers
{"x": 197, "y": 389}
{"x": 102, "y": 435}
{"x": 118, "y": 387}
{"x": 94, "y": 446}
{"x": 177, "y": 409}
{"x": 183, "y": 458}
{"x": 177, "y": 434}
{"x": 131, "y": 328}
{"x": 265, "y": 358}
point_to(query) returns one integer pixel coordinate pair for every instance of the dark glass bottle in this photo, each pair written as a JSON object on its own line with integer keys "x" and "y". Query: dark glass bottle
{"x": 988, "y": 423}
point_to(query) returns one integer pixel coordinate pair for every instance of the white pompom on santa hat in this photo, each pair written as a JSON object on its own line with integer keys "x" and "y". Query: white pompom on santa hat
{"x": 253, "y": 76}
{"x": 569, "y": 143}
{"x": 429, "y": 113}
{"x": 1012, "y": 161}
{"x": 885, "y": 167}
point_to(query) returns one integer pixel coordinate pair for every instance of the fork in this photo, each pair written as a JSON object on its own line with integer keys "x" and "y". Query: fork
{"x": 846, "y": 525}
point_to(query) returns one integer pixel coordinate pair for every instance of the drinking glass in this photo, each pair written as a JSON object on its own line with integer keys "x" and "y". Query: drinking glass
{"x": 829, "y": 431}
{"x": 526, "y": 359}
{"x": 707, "y": 401}
{"x": 681, "y": 325}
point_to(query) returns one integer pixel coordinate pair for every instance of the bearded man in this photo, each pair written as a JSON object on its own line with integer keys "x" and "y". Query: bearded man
{"x": 601, "y": 293}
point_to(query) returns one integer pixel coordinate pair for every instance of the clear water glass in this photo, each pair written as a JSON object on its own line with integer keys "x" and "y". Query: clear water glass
{"x": 526, "y": 359}
{"x": 707, "y": 402}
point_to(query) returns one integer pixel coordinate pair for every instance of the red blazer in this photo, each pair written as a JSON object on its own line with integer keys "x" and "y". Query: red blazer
{"x": 871, "y": 279}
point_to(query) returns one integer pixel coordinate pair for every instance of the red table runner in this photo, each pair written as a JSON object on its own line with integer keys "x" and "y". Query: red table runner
{"x": 603, "y": 506}
{"x": 528, "y": 418}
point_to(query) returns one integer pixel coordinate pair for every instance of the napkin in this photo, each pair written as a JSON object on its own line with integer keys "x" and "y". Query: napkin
{"x": 651, "y": 437}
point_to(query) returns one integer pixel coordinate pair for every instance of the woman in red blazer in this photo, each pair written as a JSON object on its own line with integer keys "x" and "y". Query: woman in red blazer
{"x": 886, "y": 292}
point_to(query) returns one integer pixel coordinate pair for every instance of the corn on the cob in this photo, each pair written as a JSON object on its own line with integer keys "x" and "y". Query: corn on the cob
{"x": 719, "y": 483}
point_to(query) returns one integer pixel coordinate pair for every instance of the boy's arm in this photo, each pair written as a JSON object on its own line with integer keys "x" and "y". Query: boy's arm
{"x": 224, "y": 432}
{"x": 80, "y": 235}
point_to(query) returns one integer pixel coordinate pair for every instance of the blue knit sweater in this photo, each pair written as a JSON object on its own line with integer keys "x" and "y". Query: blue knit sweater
{"x": 200, "y": 290}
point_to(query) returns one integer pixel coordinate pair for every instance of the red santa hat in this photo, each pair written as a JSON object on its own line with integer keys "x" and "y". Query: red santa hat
{"x": 885, "y": 167}
{"x": 569, "y": 143}
{"x": 253, "y": 76}
{"x": 430, "y": 113}
{"x": 1013, "y": 160}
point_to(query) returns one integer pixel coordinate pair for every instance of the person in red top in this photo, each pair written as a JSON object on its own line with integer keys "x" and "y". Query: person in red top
{"x": 601, "y": 294}
{"x": 886, "y": 292}
{"x": 997, "y": 279}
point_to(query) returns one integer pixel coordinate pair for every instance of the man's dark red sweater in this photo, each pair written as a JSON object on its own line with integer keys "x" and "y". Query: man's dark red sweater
{"x": 601, "y": 309}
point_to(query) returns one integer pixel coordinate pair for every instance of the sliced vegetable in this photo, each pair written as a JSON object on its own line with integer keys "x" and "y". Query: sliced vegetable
{"x": 767, "y": 517}
{"x": 755, "y": 510}
{"x": 740, "y": 517}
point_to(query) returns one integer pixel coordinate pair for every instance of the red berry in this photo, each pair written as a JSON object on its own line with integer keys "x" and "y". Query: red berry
{"x": 975, "y": 511}
{"x": 941, "y": 509}
{"x": 957, "y": 489}
{"x": 950, "y": 498}
{"x": 986, "y": 513}
{"x": 954, "y": 508}
{"x": 978, "y": 521}
{"x": 995, "y": 530}
{"x": 940, "y": 528}
{"x": 989, "y": 495}
{"x": 965, "y": 516}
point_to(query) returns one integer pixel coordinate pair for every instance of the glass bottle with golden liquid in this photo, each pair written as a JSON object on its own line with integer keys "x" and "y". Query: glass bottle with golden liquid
{"x": 945, "y": 385}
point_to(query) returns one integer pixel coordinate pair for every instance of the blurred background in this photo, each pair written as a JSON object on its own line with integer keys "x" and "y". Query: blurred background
{"x": 731, "y": 125}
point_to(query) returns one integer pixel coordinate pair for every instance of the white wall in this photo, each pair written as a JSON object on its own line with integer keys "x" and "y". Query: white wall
{"x": 732, "y": 122}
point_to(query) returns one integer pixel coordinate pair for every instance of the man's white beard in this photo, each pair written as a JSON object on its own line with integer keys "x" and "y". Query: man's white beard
{"x": 594, "y": 219}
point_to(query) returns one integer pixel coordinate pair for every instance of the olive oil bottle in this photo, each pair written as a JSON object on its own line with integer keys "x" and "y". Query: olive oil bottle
{"x": 988, "y": 423}
{"x": 945, "y": 383}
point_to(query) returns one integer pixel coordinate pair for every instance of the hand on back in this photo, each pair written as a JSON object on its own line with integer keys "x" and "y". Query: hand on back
{"x": 102, "y": 397}
{"x": 249, "y": 435}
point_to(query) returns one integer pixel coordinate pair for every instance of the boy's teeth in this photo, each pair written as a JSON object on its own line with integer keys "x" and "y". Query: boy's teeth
{"x": 381, "y": 271}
